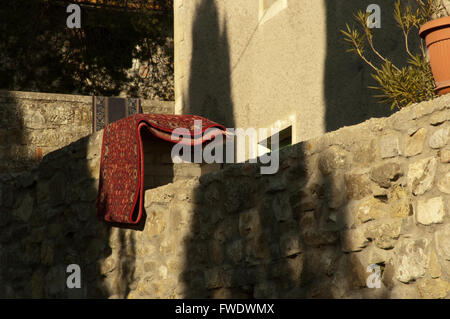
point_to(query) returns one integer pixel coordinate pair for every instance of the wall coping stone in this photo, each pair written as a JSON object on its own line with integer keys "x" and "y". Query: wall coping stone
{"x": 72, "y": 98}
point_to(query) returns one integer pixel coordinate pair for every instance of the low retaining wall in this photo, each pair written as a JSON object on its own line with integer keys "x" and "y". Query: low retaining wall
{"x": 362, "y": 212}
{"x": 374, "y": 195}
{"x": 48, "y": 221}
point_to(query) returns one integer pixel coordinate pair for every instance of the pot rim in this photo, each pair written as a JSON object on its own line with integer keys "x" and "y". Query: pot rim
{"x": 432, "y": 25}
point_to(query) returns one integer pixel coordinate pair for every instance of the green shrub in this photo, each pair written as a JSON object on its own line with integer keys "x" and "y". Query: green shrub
{"x": 399, "y": 86}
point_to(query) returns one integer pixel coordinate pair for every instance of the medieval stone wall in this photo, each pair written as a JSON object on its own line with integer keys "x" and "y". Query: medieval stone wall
{"x": 48, "y": 221}
{"x": 372, "y": 195}
{"x": 35, "y": 124}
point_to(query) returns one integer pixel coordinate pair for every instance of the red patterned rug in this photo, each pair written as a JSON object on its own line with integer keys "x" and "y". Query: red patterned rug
{"x": 120, "y": 190}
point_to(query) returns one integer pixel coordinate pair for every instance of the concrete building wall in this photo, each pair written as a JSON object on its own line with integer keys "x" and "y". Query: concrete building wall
{"x": 266, "y": 63}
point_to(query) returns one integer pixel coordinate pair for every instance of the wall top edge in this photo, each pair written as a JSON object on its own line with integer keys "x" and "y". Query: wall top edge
{"x": 72, "y": 98}
{"x": 46, "y": 96}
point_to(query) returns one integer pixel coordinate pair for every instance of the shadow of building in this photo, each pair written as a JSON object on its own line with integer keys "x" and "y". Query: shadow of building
{"x": 268, "y": 236}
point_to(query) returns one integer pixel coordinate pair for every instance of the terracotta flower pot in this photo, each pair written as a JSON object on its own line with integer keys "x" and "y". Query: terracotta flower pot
{"x": 437, "y": 38}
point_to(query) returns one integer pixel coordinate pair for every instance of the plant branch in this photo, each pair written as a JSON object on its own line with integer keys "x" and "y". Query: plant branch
{"x": 362, "y": 18}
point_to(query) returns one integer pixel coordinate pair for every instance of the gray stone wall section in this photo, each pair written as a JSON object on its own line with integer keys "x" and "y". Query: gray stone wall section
{"x": 373, "y": 194}
{"x": 48, "y": 221}
{"x": 161, "y": 107}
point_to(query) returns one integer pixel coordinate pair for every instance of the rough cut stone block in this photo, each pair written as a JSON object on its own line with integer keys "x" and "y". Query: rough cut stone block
{"x": 357, "y": 185}
{"x": 404, "y": 292}
{"x": 398, "y": 192}
{"x": 434, "y": 266}
{"x": 55, "y": 281}
{"x": 399, "y": 208}
{"x": 414, "y": 144}
{"x": 249, "y": 223}
{"x": 433, "y": 288}
{"x": 23, "y": 212}
{"x": 365, "y": 153}
{"x": 421, "y": 175}
{"x": 384, "y": 174}
{"x": 357, "y": 277}
{"x": 389, "y": 146}
{"x": 370, "y": 209}
{"x": 430, "y": 211}
{"x": 444, "y": 183}
{"x": 385, "y": 235}
{"x": 442, "y": 240}
{"x": 332, "y": 159}
{"x": 445, "y": 155}
{"x": 94, "y": 146}
{"x": 214, "y": 278}
{"x": 234, "y": 251}
{"x": 440, "y": 117}
{"x": 353, "y": 240}
{"x": 281, "y": 207}
{"x": 277, "y": 183}
{"x": 311, "y": 233}
{"x": 335, "y": 190}
{"x": 47, "y": 253}
{"x": 439, "y": 138}
{"x": 290, "y": 244}
{"x": 411, "y": 259}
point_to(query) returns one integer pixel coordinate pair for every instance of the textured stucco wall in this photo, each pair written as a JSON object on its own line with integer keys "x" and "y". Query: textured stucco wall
{"x": 374, "y": 193}
{"x": 244, "y": 71}
{"x": 34, "y": 124}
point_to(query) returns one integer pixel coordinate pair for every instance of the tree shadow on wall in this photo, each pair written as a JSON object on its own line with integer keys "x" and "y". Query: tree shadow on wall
{"x": 104, "y": 252}
{"x": 272, "y": 236}
{"x": 50, "y": 217}
{"x": 14, "y": 154}
{"x": 209, "y": 92}
{"x": 263, "y": 236}
{"x": 12, "y": 159}
{"x": 244, "y": 240}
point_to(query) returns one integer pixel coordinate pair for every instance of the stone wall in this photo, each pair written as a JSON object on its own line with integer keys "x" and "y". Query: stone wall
{"x": 35, "y": 124}
{"x": 48, "y": 221}
{"x": 373, "y": 194}
{"x": 154, "y": 78}
{"x": 237, "y": 67}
